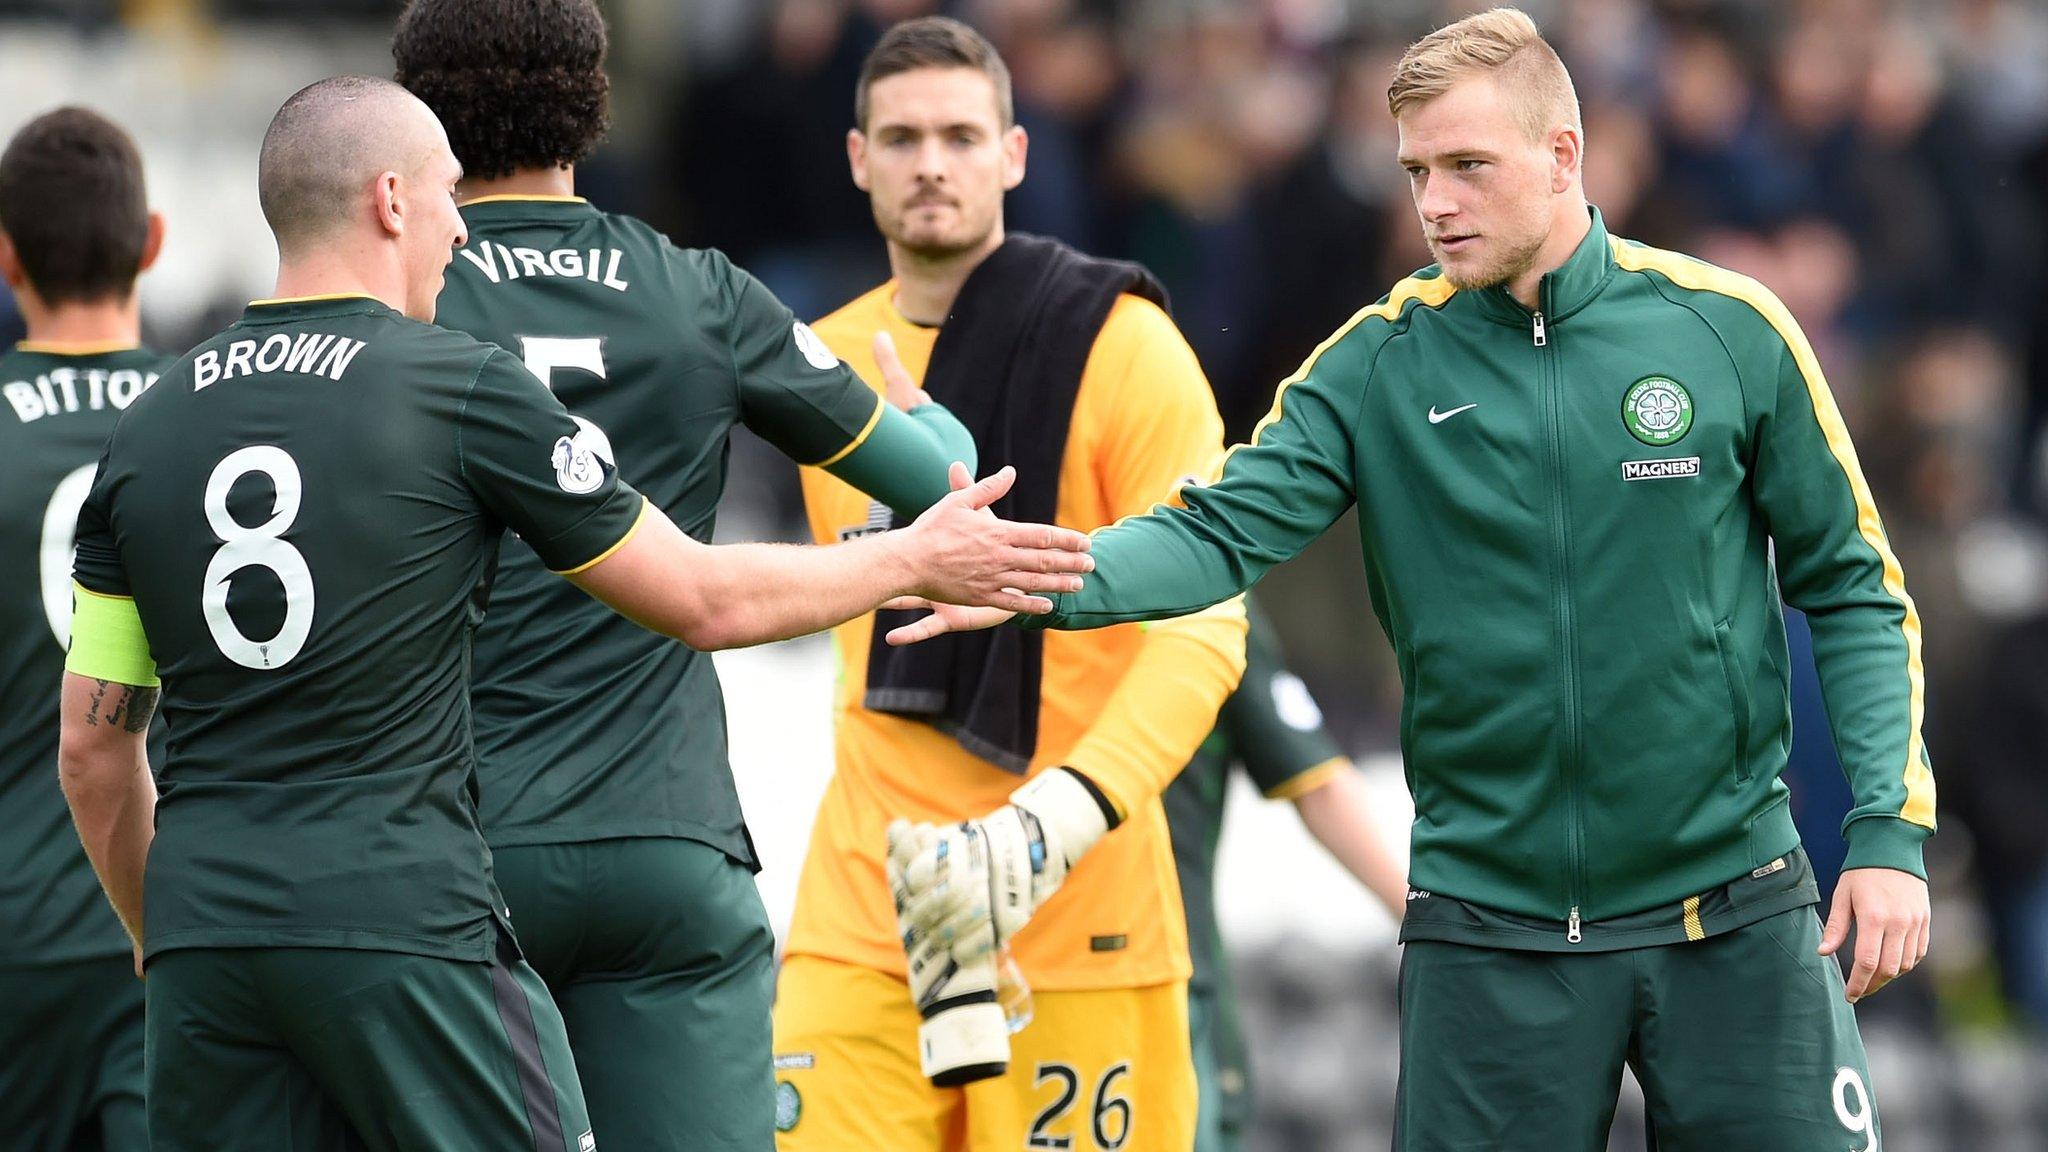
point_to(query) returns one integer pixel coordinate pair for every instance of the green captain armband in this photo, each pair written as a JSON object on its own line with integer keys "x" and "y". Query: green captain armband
{"x": 107, "y": 641}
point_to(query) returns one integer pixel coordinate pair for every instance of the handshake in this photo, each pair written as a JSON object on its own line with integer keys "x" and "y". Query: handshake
{"x": 963, "y": 890}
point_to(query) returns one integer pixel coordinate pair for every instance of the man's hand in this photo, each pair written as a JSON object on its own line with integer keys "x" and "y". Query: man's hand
{"x": 1889, "y": 911}
{"x": 963, "y": 1035}
{"x": 944, "y": 618}
{"x": 958, "y": 552}
{"x": 897, "y": 386}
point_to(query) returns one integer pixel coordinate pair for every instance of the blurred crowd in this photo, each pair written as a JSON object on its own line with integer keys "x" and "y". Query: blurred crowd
{"x": 1881, "y": 164}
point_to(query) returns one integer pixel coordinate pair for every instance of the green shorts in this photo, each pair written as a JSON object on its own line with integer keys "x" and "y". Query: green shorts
{"x": 334, "y": 1050}
{"x": 1741, "y": 1041}
{"x": 71, "y": 1057}
{"x": 663, "y": 962}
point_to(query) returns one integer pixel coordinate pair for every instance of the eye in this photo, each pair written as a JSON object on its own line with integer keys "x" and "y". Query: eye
{"x": 1471, "y": 165}
{"x": 1415, "y": 171}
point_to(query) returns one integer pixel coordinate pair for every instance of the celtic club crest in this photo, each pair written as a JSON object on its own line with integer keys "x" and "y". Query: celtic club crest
{"x": 1657, "y": 410}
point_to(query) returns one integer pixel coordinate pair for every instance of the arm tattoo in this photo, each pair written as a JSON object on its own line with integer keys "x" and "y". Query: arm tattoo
{"x": 131, "y": 707}
{"x": 141, "y": 707}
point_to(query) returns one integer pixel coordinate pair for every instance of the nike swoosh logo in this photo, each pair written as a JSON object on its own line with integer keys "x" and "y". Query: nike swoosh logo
{"x": 1436, "y": 417}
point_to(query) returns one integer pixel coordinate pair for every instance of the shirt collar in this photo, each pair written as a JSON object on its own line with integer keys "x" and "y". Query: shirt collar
{"x": 518, "y": 207}
{"x": 1564, "y": 290}
{"x": 76, "y": 347}
{"x": 284, "y": 308}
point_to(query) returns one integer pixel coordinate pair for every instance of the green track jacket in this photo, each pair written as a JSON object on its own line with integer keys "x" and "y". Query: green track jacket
{"x": 1567, "y": 519}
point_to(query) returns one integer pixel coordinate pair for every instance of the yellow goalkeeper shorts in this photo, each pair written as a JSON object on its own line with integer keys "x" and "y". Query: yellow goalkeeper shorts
{"x": 1096, "y": 1071}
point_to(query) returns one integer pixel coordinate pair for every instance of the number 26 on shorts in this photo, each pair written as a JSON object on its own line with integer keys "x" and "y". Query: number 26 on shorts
{"x": 1109, "y": 1115}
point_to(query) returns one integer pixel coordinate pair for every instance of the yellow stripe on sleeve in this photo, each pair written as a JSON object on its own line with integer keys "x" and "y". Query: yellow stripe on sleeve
{"x": 859, "y": 438}
{"x": 107, "y": 641}
{"x": 1686, "y": 272}
{"x": 1309, "y": 779}
{"x": 1431, "y": 292}
{"x": 605, "y": 555}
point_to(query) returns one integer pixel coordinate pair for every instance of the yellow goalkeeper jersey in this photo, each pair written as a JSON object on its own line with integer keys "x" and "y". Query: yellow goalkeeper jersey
{"x": 1124, "y": 705}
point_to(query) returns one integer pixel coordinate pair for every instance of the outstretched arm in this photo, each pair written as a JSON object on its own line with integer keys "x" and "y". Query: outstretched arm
{"x": 1270, "y": 499}
{"x": 728, "y": 596}
{"x": 545, "y": 477}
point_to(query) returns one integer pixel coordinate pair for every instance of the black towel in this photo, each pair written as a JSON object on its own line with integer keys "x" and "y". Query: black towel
{"x": 1008, "y": 363}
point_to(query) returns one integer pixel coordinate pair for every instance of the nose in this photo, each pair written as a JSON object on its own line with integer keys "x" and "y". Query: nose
{"x": 931, "y": 159}
{"x": 1434, "y": 199}
{"x": 461, "y": 235}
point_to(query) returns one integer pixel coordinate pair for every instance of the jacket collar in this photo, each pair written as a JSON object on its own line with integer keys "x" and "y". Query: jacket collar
{"x": 1565, "y": 290}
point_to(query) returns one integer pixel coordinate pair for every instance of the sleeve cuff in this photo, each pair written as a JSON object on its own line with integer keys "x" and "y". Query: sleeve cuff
{"x": 1886, "y": 842}
{"x": 1061, "y": 603}
{"x": 1110, "y": 814}
{"x": 859, "y": 438}
{"x": 1309, "y": 779}
{"x": 632, "y": 529}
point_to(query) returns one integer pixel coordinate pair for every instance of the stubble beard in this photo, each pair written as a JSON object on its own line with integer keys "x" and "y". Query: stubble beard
{"x": 1501, "y": 268}
{"x": 940, "y": 249}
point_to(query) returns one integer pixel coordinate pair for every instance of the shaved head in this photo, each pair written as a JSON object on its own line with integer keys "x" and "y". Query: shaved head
{"x": 327, "y": 145}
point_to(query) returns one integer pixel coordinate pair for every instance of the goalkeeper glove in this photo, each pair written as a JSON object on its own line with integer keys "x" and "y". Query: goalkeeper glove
{"x": 1023, "y": 849}
{"x": 963, "y": 1036}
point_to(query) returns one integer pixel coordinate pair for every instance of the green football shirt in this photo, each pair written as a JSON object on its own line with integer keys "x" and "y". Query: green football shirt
{"x": 588, "y": 726}
{"x": 59, "y": 409}
{"x": 306, "y": 510}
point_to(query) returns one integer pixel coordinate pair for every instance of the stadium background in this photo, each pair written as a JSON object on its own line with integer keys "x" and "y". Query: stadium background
{"x": 1883, "y": 164}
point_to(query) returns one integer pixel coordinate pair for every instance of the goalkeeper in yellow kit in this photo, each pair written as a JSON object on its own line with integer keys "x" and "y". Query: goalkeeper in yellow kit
{"x": 1053, "y": 746}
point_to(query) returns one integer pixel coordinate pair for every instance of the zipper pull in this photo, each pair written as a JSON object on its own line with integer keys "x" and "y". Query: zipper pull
{"x": 1542, "y": 338}
{"x": 1572, "y": 935}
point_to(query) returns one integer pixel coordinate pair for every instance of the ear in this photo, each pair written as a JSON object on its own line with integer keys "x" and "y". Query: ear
{"x": 389, "y": 204}
{"x": 152, "y": 242}
{"x": 10, "y": 264}
{"x": 1567, "y": 158}
{"x": 857, "y": 158}
{"x": 1016, "y": 145}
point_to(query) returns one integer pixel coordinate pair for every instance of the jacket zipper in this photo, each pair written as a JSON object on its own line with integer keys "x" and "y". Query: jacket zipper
{"x": 1561, "y": 541}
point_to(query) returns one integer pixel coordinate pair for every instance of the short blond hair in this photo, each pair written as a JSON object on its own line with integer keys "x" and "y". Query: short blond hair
{"x": 1504, "y": 42}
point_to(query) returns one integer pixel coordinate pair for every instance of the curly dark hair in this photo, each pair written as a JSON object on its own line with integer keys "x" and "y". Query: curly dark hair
{"x": 518, "y": 83}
